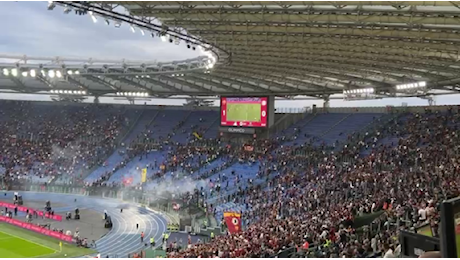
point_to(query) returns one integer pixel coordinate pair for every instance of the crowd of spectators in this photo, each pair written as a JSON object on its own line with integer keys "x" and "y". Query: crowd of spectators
{"x": 318, "y": 194}
{"x": 41, "y": 141}
{"x": 311, "y": 195}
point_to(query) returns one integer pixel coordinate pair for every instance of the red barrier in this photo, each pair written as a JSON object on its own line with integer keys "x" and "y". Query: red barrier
{"x": 24, "y": 209}
{"x": 37, "y": 229}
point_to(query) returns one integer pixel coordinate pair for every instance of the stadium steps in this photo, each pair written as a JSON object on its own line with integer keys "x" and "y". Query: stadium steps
{"x": 165, "y": 123}
{"x": 134, "y": 166}
{"x": 289, "y": 132}
{"x": 335, "y": 125}
{"x": 127, "y": 112}
{"x": 153, "y": 118}
{"x": 115, "y": 157}
{"x": 197, "y": 121}
{"x": 311, "y": 131}
{"x": 286, "y": 121}
{"x": 213, "y": 126}
{"x": 353, "y": 123}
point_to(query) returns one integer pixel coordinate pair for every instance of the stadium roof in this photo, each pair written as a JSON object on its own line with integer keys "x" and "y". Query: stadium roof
{"x": 301, "y": 48}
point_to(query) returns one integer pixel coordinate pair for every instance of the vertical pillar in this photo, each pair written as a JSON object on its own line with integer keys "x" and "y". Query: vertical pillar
{"x": 326, "y": 103}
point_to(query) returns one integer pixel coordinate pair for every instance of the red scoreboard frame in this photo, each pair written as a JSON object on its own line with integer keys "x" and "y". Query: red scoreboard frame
{"x": 263, "y": 101}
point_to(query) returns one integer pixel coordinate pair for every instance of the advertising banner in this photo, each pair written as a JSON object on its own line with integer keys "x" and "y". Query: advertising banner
{"x": 24, "y": 209}
{"x": 37, "y": 229}
{"x": 237, "y": 130}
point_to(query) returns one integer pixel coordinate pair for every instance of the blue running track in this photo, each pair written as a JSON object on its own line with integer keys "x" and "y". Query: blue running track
{"x": 124, "y": 238}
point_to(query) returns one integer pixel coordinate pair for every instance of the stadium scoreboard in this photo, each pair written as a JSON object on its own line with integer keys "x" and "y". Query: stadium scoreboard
{"x": 245, "y": 111}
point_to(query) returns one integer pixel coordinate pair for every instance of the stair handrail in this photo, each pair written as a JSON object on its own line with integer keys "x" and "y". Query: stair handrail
{"x": 336, "y": 124}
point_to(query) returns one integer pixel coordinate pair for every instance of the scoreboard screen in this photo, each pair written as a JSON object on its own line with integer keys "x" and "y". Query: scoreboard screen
{"x": 244, "y": 111}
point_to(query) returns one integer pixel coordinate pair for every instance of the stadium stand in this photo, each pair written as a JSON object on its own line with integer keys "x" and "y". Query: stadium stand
{"x": 320, "y": 202}
{"x": 314, "y": 182}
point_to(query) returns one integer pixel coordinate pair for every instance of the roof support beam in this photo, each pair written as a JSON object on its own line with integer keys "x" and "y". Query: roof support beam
{"x": 211, "y": 80}
{"x": 19, "y": 84}
{"x": 179, "y": 80}
{"x": 268, "y": 82}
{"x": 304, "y": 69}
{"x": 394, "y": 71}
{"x": 303, "y": 16}
{"x": 103, "y": 82}
{"x": 77, "y": 82}
{"x": 307, "y": 82}
{"x": 216, "y": 74}
{"x": 163, "y": 85}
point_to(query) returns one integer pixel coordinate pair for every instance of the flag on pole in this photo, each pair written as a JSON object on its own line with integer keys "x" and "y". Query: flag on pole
{"x": 233, "y": 221}
{"x": 197, "y": 136}
{"x": 144, "y": 175}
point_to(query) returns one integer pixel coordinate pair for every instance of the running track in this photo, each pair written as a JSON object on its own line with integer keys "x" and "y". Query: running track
{"x": 123, "y": 238}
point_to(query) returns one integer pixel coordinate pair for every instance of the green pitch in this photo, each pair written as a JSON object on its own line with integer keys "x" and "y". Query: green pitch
{"x": 16, "y": 247}
{"x": 426, "y": 230}
{"x": 20, "y": 243}
{"x": 243, "y": 112}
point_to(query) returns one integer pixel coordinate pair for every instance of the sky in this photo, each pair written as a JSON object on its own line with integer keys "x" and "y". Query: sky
{"x": 30, "y": 29}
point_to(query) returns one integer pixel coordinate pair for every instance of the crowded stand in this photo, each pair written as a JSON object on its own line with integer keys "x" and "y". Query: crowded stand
{"x": 315, "y": 203}
{"x": 300, "y": 191}
{"x": 41, "y": 144}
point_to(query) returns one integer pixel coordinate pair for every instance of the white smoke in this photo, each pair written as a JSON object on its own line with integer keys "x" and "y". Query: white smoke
{"x": 177, "y": 187}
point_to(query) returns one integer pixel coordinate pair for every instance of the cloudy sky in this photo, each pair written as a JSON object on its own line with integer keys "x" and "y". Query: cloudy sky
{"x": 30, "y": 29}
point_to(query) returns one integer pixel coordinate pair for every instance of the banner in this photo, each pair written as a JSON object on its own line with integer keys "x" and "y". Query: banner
{"x": 31, "y": 211}
{"x": 37, "y": 229}
{"x": 144, "y": 175}
{"x": 197, "y": 136}
{"x": 233, "y": 221}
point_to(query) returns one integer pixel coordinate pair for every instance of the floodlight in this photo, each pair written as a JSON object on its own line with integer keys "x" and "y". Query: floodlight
{"x": 117, "y": 24}
{"x": 24, "y": 73}
{"x": 51, "y": 5}
{"x": 93, "y": 17}
{"x": 69, "y": 72}
{"x": 163, "y": 38}
{"x": 58, "y": 74}
{"x": 43, "y": 73}
{"x": 51, "y": 74}
{"x": 60, "y": 91}
{"x": 14, "y": 72}
{"x": 33, "y": 73}
{"x": 77, "y": 72}
{"x": 6, "y": 72}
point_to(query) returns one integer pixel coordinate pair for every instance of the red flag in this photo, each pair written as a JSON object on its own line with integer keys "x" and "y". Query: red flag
{"x": 233, "y": 221}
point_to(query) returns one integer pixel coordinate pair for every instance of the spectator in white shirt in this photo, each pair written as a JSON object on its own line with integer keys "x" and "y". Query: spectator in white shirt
{"x": 388, "y": 251}
{"x": 422, "y": 214}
